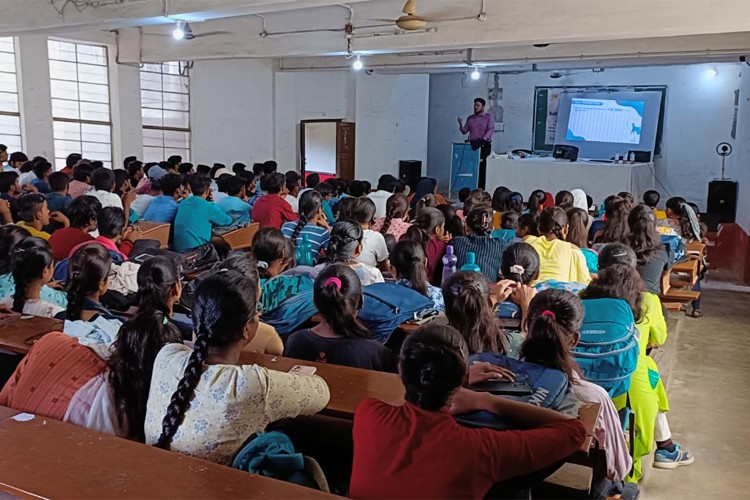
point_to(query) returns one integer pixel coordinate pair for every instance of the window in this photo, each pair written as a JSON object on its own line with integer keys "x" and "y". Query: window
{"x": 165, "y": 106}
{"x": 10, "y": 118}
{"x": 79, "y": 80}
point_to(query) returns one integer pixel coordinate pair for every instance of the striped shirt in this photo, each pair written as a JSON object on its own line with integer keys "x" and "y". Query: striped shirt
{"x": 488, "y": 250}
{"x": 316, "y": 235}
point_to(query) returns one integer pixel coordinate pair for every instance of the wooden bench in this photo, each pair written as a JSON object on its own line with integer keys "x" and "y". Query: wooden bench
{"x": 158, "y": 231}
{"x": 673, "y": 298}
{"x": 237, "y": 239}
{"x": 407, "y": 327}
{"x": 44, "y": 458}
{"x": 18, "y": 335}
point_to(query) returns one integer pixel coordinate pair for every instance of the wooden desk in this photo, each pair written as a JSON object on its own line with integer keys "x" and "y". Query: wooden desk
{"x": 158, "y": 231}
{"x": 349, "y": 386}
{"x": 44, "y": 458}
{"x": 18, "y": 335}
{"x": 241, "y": 238}
{"x": 695, "y": 247}
{"x": 7, "y": 412}
{"x": 689, "y": 267}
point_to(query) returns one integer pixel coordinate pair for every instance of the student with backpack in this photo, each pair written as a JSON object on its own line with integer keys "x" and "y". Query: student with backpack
{"x": 215, "y": 402}
{"x": 619, "y": 279}
{"x": 340, "y": 338}
{"x": 410, "y": 268}
{"x": 554, "y": 322}
{"x": 469, "y": 307}
{"x": 32, "y": 268}
{"x": 418, "y": 450}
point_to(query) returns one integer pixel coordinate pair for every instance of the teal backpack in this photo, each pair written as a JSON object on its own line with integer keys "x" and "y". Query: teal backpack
{"x": 608, "y": 350}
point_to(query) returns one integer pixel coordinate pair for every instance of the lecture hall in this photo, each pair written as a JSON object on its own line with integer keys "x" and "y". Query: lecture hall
{"x": 441, "y": 249}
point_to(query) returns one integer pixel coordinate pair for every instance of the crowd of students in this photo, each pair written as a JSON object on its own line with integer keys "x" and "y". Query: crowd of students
{"x": 182, "y": 386}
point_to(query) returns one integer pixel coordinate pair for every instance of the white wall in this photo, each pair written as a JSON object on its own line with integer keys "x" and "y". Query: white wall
{"x": 231, "y": 111}
{"x": 391, "y": 119}
{"x": 741, "y": 153}
{"x": 699, "y": 113}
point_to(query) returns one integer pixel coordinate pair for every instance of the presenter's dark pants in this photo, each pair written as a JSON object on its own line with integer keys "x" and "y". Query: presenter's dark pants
{"x": 483, "y": 154}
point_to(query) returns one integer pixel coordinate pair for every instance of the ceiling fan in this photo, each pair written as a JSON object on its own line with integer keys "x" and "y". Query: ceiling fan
{"x": 183, "y": 31}
{"x": 410, "y": 21}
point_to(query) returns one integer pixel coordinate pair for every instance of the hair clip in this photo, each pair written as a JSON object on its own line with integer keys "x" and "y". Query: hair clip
{"x": 549, "y": 313}
{"x": 262, "y": 264}
{"x": 516, "y": 269}
{"x": 333, "y": 280}
{"x": 165, "y": 321}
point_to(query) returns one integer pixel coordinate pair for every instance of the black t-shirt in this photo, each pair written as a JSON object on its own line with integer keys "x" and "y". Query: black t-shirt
{"x": 651, "y": 271}
{"x": 358, "y": 353}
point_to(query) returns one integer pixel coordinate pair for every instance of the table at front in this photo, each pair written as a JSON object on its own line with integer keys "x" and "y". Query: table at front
{"x": 598, "y": 180}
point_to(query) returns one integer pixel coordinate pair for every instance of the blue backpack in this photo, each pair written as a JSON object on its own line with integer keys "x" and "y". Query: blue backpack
{"x": 608, "y": 350}
{"x": 387, "y": 305}
{"x": 675, "y": 245}
{"x": 533, "y": 384}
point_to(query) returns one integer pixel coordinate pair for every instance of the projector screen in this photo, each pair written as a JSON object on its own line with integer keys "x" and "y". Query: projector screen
{"x": 605, "y": 120}
{"x": 603, "y": 124}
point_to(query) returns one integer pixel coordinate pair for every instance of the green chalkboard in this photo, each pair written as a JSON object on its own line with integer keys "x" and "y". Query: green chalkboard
{"x": 541, "y": 100}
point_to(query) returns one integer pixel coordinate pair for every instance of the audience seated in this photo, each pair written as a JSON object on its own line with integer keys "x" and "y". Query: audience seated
{"x": 197, "y": 216}
{"x": 374, "y": 250}
{"x": 312, "y": 224}
{"x": 163, "y": 208}
{"x": 271, "y": 209}
{"x": 340, "y": 338}
{"x": 428, "y": 229}
{"x": 35, "y": 215}
{"x": 578, "y": 235}
{"x": 204, "y": 393}
{"x": 235, "y": 204}
{"x": 83, "y": 214}
{"x": 409, "y": 266}
{"x": 654, "y": 257}
{"x": 32, "y": 267}
{"x": 560, "y": 260}
{"x": 58, "y": 198}
{"x": 396, "y": 219}
{"x": 81, "y": 182}
{"x": 487, "y": 250}
{"x": 345, "y": 246}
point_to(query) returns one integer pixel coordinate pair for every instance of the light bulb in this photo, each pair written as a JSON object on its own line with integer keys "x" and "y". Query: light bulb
{"x": 357, "y": 64}
{"x": 178, "y": 33}
{"x": 711, "y": 73}
{"x": 476, "y": 75}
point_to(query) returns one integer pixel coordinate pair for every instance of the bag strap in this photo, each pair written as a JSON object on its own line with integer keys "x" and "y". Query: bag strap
{"x": 631, "y": 432}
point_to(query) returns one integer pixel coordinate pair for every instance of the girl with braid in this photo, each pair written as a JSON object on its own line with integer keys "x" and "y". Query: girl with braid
{"x": 202, "y": 401}
{"x": 558, "y": 259}
{"x": 31, "y": 264}
{"x": 396, "y": 220}
{"x": 312, "y": 223}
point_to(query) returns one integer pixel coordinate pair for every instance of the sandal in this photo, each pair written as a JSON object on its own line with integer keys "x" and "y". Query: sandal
{"x": 695, "y": 313}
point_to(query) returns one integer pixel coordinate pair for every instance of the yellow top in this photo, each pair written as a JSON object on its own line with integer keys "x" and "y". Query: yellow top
{"x": 561, "y": 261}
{"x": 660, "y": 214}
{"x": 497, "y": 220}
{"x": 653, "y": 326}
{"x": 34, "y": 231}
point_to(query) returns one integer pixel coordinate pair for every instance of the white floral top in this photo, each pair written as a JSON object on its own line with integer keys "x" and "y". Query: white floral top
{"x": 229, "y": 405}
{"x": 35, "y": 307}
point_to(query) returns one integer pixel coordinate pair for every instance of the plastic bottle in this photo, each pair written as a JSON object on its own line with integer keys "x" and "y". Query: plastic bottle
{"x": 304, "y": 253}
{"x": 450, "y": 263}
{"x": 631, "y": 157}
{"x": 471, "y": 263}
{"x": 510, "y": 153}
{"x": 617, "y": 157}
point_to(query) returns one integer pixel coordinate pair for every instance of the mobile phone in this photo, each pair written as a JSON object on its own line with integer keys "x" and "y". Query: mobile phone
{"x": 303, "y": 370}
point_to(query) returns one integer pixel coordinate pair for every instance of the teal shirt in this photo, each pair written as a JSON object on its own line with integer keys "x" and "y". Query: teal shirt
{"x": 194, "y": 221}
{"x": 237, "y": 209}
{"x": 8, "y": 288}
{"x": 329, "y": 213}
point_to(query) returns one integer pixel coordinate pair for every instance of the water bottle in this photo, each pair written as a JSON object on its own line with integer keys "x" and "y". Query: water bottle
{"x": 304, "y": 253}
{"x": 471, "y": 263}
{"x": 617, "y": 157}
{"x": 631, "y": 157}
{"x": 450, "y": 263}
{"x": 510, "y": 153}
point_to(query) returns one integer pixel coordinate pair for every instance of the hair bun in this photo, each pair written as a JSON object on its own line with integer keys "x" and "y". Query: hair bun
{"x": 427, "y": 374}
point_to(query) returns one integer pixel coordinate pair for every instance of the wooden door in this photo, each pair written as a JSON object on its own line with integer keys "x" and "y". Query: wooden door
{"x": 345, "y": 135}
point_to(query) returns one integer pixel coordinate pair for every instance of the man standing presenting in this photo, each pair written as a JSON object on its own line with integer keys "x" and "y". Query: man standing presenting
{"x": 480, "y": 126}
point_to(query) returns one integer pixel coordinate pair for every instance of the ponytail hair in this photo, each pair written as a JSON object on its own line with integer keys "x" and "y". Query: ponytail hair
{"x": 552, "y": 221}
{"x": 408, "y": 257}
{"x": 554, "y": 320}
{"x": 395, "y": 208}
{"x": 139, "y": 341}
{"x": 87, "y": 268}
{"x": 644, "y": 238}
{"x": 616, "y": 228}
{"x": 345, "y": 238}
{"x": 469, "y": 310}
{"x": 432, "y": 366}
{"x": 29, "y": 260}
{"x": 10, "y": 236}
{"x": 520, "y": 263}
{"x": 224, "y": 304}
{"x": 338, "y": 297}
{"x": 269, "y": 245}
{"x": 309, "y": 205}
{"x": 578, "y": 233}
{"x": 536, "y": 201}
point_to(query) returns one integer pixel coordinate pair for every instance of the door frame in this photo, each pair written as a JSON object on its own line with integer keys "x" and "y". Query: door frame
{"x": 302, "y": 159}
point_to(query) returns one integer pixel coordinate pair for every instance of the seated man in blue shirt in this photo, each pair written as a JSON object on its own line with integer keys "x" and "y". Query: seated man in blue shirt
{"x": 164, "y": 208}
{"x": 58, "y": 198}
{"x": 196, "y": 216}
{"x": 235, "y": 204}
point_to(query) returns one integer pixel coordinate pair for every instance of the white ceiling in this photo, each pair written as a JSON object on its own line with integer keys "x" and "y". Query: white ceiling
{"x": 309, "y": 33}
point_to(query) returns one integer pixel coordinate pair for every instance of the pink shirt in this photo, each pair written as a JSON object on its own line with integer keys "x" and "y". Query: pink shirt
{"x": 479, "y": 127}
{"x": 396, "y": 229}
{"x": 608, "y": 429}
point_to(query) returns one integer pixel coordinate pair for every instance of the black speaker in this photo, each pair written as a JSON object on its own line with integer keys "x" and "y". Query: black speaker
{"x": 640, "y": 156}
{"x": 563, "y": 152}
{"x": 409, "y": 172}
{"x": 722, "y": 200}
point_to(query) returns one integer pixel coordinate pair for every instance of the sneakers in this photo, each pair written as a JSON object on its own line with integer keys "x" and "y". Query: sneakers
{"x": 666, "y": 460}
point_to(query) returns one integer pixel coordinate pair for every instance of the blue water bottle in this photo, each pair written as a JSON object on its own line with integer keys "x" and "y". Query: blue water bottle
{"x": 471, "y": 263}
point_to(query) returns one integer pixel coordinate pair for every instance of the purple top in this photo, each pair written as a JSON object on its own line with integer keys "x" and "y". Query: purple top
{"x": 479, "y": 127}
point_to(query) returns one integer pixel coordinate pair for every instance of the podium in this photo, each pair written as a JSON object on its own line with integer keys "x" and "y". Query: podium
{"x": 464, "y": 167}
